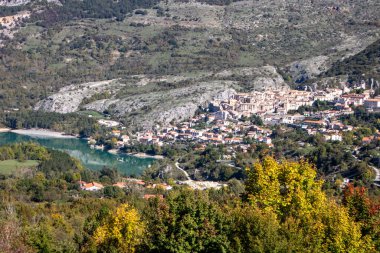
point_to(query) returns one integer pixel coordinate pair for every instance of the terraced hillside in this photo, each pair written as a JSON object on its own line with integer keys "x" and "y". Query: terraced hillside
{"x": 74, "y": 42}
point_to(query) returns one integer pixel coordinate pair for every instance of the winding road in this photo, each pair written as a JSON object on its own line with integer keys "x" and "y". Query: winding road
{"x": 184, "y": 171}
{"x": 377, "y": 178}
{"x": 376, "y": 181}
{"x": 200, "y": 185}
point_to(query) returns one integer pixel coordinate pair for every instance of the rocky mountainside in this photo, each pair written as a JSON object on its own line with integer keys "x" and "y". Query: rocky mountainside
{"x": 194, "y": 43}
{"x": 69, "y": 98}
{"x": 147, "y": 100}
{"x": 13, "y": 2}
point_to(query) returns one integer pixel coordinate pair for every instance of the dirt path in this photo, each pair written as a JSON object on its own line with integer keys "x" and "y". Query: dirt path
{"x": 199, "y": 185}
{"x": 184, "y": 171}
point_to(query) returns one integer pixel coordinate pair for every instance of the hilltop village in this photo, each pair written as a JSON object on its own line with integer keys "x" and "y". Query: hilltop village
{"x": 247, "y": 117}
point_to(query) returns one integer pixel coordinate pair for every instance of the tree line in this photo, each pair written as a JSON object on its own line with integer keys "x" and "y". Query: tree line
{"x": 71, "y": 123}
{"x": 73, "y": 9}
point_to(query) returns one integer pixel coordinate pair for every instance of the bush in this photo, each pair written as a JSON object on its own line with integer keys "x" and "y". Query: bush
{"x": 141, "y": 12}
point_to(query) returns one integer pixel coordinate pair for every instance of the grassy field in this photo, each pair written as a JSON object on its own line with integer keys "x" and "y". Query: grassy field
{"x": 94, "y": 114}
{"x": 8, "y": 167}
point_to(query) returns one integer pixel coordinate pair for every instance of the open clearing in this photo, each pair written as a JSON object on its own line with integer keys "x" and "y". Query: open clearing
{"x": 8, "y": 167}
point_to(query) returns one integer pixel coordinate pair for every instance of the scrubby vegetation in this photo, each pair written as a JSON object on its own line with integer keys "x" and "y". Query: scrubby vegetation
{"x": 82, "y": 41}
{"x": 359, "y": 66}
{"x": 212, "y": 2}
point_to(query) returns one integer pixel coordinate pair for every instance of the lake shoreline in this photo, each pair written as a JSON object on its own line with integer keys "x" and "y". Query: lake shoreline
{"x": 144, "y": 155}
{"x": 138, "y": 155}
{"x": 42, "y": 133}
{"x": 79, "y": 149}
{"x": 5, "y": 130}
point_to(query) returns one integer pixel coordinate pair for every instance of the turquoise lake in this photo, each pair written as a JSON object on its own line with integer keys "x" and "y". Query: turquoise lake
{"x": 90, "y": 158}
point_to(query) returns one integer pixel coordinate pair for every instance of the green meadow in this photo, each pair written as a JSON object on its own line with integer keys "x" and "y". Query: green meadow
{"x": 8, "y": 167}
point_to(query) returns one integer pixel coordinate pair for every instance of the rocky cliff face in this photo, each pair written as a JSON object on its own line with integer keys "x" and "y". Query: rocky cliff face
{"x": 144, "y": 100}
{"x": 13, "y": 2}
{"x": 309, "y": 68}
{"x": 145, "y": 110}
{"x": 259, "y": 79}
{"x": 10, "y": 3}
{"x": 69, "y": 98}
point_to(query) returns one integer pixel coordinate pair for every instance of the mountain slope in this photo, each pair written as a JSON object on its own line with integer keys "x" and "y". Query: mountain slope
{"x": 74, "y": 42}
{"x": 145, "y": 100}
{"x": 362, "y": 65}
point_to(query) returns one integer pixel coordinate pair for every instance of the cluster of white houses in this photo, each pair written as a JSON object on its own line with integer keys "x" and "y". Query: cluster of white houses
{"x": 223, "y": 124}
{"x": 273, "y": 107}
{"x": 282, "y": 101}
{"x": 216, "y": 132}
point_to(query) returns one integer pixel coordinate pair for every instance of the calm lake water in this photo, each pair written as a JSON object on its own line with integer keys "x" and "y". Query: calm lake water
{"x": 92, "y": 159}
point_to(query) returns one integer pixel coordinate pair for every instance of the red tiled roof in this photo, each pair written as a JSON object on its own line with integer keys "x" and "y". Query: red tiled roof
{"x": 93, "y": 184}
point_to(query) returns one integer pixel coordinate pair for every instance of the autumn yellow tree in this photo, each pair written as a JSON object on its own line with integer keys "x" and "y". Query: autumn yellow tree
{"x": 121, "y": 232}
{"x": 291, "y": 191}
{"x": 287, "y": 188}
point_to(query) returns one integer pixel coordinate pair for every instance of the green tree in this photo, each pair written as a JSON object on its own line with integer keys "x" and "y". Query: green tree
{"x": 113, "y": 192}
{"x": 186, "y": 221}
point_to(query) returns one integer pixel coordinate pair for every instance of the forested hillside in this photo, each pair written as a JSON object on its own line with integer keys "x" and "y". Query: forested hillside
{"x": 365, "y": 64}
{"x": 44, "y": 210}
